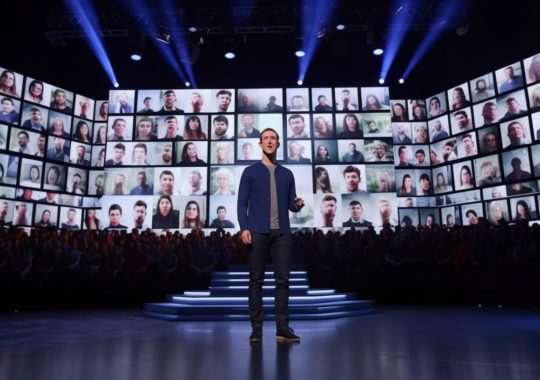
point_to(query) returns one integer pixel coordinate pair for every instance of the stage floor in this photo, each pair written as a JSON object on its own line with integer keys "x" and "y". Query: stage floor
{"x": 397, "y": 343}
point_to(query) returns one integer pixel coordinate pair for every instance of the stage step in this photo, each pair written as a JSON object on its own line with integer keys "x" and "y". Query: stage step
{"x": 227, "y": 299}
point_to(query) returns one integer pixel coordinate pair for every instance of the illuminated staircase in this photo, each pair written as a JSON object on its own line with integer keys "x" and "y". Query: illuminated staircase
{"x": 227, "y": 300}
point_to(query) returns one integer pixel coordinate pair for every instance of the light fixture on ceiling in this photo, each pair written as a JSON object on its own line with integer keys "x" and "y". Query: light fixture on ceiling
{"x": 230, "y": 48}
{"x": 163, "y": 35}
{"x": 298, "y": 47}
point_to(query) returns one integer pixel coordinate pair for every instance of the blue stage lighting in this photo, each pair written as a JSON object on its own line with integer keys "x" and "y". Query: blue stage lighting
{"x": 88, "y": 23}
{"x": 300, "y": 82}
{"x": 401, "y": 81}
{"x": 378, "y": 51}
{"x": 136, "y": 57}
{"x": 187, "y": 84}
{"x": 381, "y": 80}
{"x": 442, "y": 20}
{"x": 340, "y": 27}
{"x": 116, "y": 84}
{"x": 300, "y": 53}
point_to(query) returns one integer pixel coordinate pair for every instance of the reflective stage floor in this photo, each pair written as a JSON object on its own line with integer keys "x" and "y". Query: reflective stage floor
{"x": 397, "y": 343}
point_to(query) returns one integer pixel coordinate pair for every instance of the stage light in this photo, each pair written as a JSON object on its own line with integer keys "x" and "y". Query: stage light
{"x": 299, "y": 47}
{"x": 299, "y": 53}
{"x": 192, "y": 29}
{"x": 401, "y": 81}
{"x": 136, "y": 56}
{"x": 340, "y": 27}
{"x": 116, "y": 84}
{"x": 378, "y": 51}
{"x": 163, "y": 35}
{"x": 230, "y": 49}
{"x": 187, "y": 84}
{"x": 300, "y": 82}
{"x": 381, "y": 80}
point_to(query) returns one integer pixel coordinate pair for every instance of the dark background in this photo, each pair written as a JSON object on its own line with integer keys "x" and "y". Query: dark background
{"x": 498, "y": 34}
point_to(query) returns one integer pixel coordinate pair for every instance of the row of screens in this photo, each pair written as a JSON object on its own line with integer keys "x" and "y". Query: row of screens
{"x": 501, "y": 81}
{"x": 321, "y": 211}
{"x": 508, "y": 167}
{"x": 296, "y": 126}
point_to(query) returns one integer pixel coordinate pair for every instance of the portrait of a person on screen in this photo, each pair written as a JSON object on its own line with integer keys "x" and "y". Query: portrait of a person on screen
{"x": 7, "y": 111}
{"x": 169, "y": 103}
{"x": 60, "y": 101}
{"x": 511, "y": 81}
{"x": 247, "y": 121}
{"x": 513, "y": 109}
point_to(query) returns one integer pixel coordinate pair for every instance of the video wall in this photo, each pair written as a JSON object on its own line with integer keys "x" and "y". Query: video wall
{"x": 172, "y": 158}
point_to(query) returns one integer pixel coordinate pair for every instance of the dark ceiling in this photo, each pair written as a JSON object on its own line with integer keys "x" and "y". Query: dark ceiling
{"x": 42, "y": 41}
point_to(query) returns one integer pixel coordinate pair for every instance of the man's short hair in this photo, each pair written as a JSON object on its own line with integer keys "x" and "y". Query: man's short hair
{"x": 296, "y": 116}
{"x": 471, "y": 212}
{"x": 140, "y": 203}
{"x": 345, "y": 91}
{"x": 401, "y": 148}
{"x": 141, "y": 145}
{"x": 72, "y": 209}
{"x": 421, "y": 151}
{"x": 449, "y": 143}
{"x": 170, "y": 117}
{"x": 465, "y": 136}
{"x": 461, "y": 112}
{"x": 355, "y": 203}
{"x": 510, "y": 100}
{"x": 120, "y": 146}
{"x": 221, "y": 208}
{"x": 424, "y": 177}
{"x": 351, "y": 169}
{"x": 24, "y": 133}
{"x": 328, "y": 197}
{"x": 33, "y": 109}
{"x": 221, "y": 119}
{"x": 147, "y": 98}
{"x": 320, "y": 97}
{"x": 8, "y": 100}
{"x": 515, "y": 160}
{"x": 166, "y": 172}
{"x": 77, "y": 175}
{"x": 224, "y": 92}
{"x": 268, "y": 130}
{"x": 169, "y": 92}
{"x": 115, "y": 206}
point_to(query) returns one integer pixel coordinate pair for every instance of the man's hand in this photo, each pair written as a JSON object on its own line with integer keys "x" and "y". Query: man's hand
{"x": 245, "y": 237}
{"x": 299, "y": 203}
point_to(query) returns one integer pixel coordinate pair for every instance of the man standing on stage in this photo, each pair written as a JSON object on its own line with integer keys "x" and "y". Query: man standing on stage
{"x": 267, "y": 193}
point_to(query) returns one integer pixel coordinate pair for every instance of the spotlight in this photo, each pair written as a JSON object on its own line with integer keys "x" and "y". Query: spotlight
{"x": 136, "y": 56}
{"x": 192, "y": 29}
{"x": 300, "y": 82}
{"x": 298, "y": 47}
{"x": 187, "y": 84}
{"x": 230, "y": 49}
{"x": 401, "y": 80}
{"x": 378, "y": 51}
{"x": 381, "y": 80}
{"x": 116, "y": 84}
{"x": 340, "y": 27}
{"x": 163, "y": 35}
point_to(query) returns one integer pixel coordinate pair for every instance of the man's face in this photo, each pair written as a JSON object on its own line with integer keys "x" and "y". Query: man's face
{"x": 139, "y": 154}
{"x": 119, "y": 180}
{"x": 223, "y": 100}
{"x": 269, "y": 142}
{"x": 119, "y": 127}
{"x": 438, "y": 125}
{"x": 352, "y": 148}
{"x": 420, "y": 158}
{"x": 118, "y": 154}
{"x": 22, "y": 209}
{"x": 114, "y": 217}
{"x": 171, "y": 125}
{"x": 490, "y": 113}
{"x": 35, "y": 116}
{"x": 80, "y": 152}
{"x": 167, "y": 153}
{"x": 345, "y": 96}
{"x": 41, "y": 143}
{"x": 197, "y": 101}
{"x": 139, "y": 214}
{"x": 513, "y": 106}
{"x": 404, "y": 155}
{"x": 194, "y": 180}
{"x": 220, "y": 128}
{"x": 7, "y": 107}
{"x": 356, "y": 211}
{"x": 99, "y": 181}
{"x": 490, "y": 142}
{"x": 167, "y": 184}
{"x": 351, "y": 181}
{"x": 22, "y": 139}
{"x": 322, "y": 101}
{"x": 58, "y": 144}
{"x": 297, "y": 125}
{"x": 148, "y": 103}
{"x": 170, "y": 100}
{"x": 379, "y": 151}
{"x": 248, "y": 122}
{"x": 515, "y": 131}
{"x": 248, "y": 152}
{"x": 509, "y": 73}
{"x": 468, "y": 145}
{"x": 461, "y": 120}
{"x": 447, "y": 150}
{"x": 221, "y": 214}
{"x": 385, "y": 210}
{"x": 71, "y": 216}
{"x": 328, "y": 209}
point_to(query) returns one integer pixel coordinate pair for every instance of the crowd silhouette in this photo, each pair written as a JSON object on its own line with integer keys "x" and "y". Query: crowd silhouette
{"x": 480, "y": 264}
